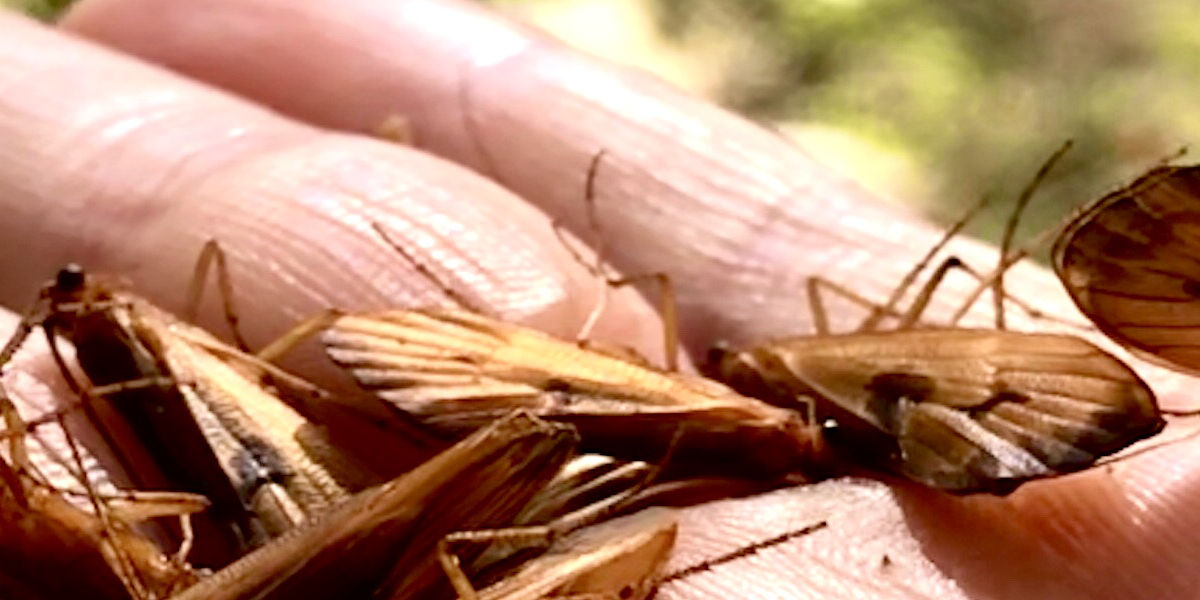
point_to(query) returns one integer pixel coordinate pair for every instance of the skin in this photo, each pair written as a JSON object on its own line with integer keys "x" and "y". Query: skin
{"x": 128, "y": 168}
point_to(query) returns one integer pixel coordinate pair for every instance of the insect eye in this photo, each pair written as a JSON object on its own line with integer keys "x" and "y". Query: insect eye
{"x": 1191, "y": 287}
{"x": 831, "y": 430}
{"x": 713, "y": 359}
{"x": 69, "y": 278}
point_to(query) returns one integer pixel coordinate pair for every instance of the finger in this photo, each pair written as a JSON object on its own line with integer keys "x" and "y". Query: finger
{"x": 129, "y": 169}
{"x": 1119, "y": 532}
{"x": 737, "y": 215}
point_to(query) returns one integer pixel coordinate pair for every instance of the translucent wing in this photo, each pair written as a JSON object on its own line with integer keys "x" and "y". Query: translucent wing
{"x": 1131, "y": 262}
{"x": 969, "y": 410}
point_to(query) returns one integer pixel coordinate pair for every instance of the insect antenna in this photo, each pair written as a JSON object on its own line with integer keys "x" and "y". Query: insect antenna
{"x": 743, "y": 552}
{"x": 428, "y": 273}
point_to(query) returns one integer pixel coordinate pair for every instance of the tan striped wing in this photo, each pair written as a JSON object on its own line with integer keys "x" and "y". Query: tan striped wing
{"x": 457, "y": 370}
{"x": 622, "y": 558}
{"x": 970, "y": 410}
{"x": 262, "y": 444}
{"x": 1131, "y": 262}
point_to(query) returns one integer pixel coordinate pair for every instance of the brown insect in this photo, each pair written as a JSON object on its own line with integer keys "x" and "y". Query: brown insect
{"x": 181, "y": 410}
{"x": 51, "y": 548}
{"x": 959, "y": 409}
{"x": 622, "y": 558}
{"x": 382, "y": 542}
{"x": 1131, "y": 262}
{"x": 457, "y": 370}
{"x": 962, "y": 410}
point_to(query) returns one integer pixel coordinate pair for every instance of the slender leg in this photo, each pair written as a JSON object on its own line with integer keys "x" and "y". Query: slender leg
{"x": 1010, "y": 228}
{"x": 298, "y": 333}
{"x": 213, "y": 257}
{"x": 668, "y": 308}
{"x": 538, "y": 536}
{"x": 871, "y": 322}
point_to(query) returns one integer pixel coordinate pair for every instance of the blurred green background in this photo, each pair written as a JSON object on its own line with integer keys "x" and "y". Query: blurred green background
{"x": 932, "y": 103}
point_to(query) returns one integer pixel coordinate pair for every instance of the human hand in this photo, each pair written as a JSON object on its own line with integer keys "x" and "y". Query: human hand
{"x": 129, "y": 170}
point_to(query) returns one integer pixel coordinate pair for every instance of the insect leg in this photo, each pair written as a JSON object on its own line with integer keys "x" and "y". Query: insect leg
{"x": 667, "y": 306}
{"x": 1010, "y": 227}
{"x": 121, "y": 562}
{"x": 24, "y": 328}
{"x": 212, "y": 257}
{"x": 908, "y": 318}
{"x": 17, "y": 451}
{"x": 85, "y": 400}
{"x": 820, "y": 315}
{"x": 536, "y": 536}
{"x": 298, "y": 333}
{"x": 889, "y": 307}
{"x": 816, "y": 303}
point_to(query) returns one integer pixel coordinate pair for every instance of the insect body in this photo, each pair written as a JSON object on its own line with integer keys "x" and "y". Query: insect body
{"x": 457, "y": 370}
{"x": 381, "y": 542}
{"x": 180, "y": 417}
{"x": 958, "y": 409}
{"x": 619, "y": 559}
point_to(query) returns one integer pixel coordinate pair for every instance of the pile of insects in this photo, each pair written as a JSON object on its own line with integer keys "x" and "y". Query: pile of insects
{"x": 556, "y": 463}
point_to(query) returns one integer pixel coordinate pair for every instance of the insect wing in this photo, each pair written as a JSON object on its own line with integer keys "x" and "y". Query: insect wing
{"x": 622, "y": 558}
{"x": 187, "y": 416}
{"x": 457, "y": 370}
{"x": 157, "y": 438}
{"x": 271, "y": 453}
{"x": 970, "y": 410}
{"x": 1131, "y": 262}
{"x": 383, "y": 540}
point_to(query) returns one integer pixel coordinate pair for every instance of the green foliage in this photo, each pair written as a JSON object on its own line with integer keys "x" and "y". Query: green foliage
{"x": 977, "y": 93}
{"x": 45, "y": 10}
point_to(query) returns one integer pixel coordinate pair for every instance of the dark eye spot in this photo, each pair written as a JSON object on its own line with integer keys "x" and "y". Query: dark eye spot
{"x": 714, "y": 359}
{"x": 1191, "y": 287}
{"x": 69, "y": 278}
